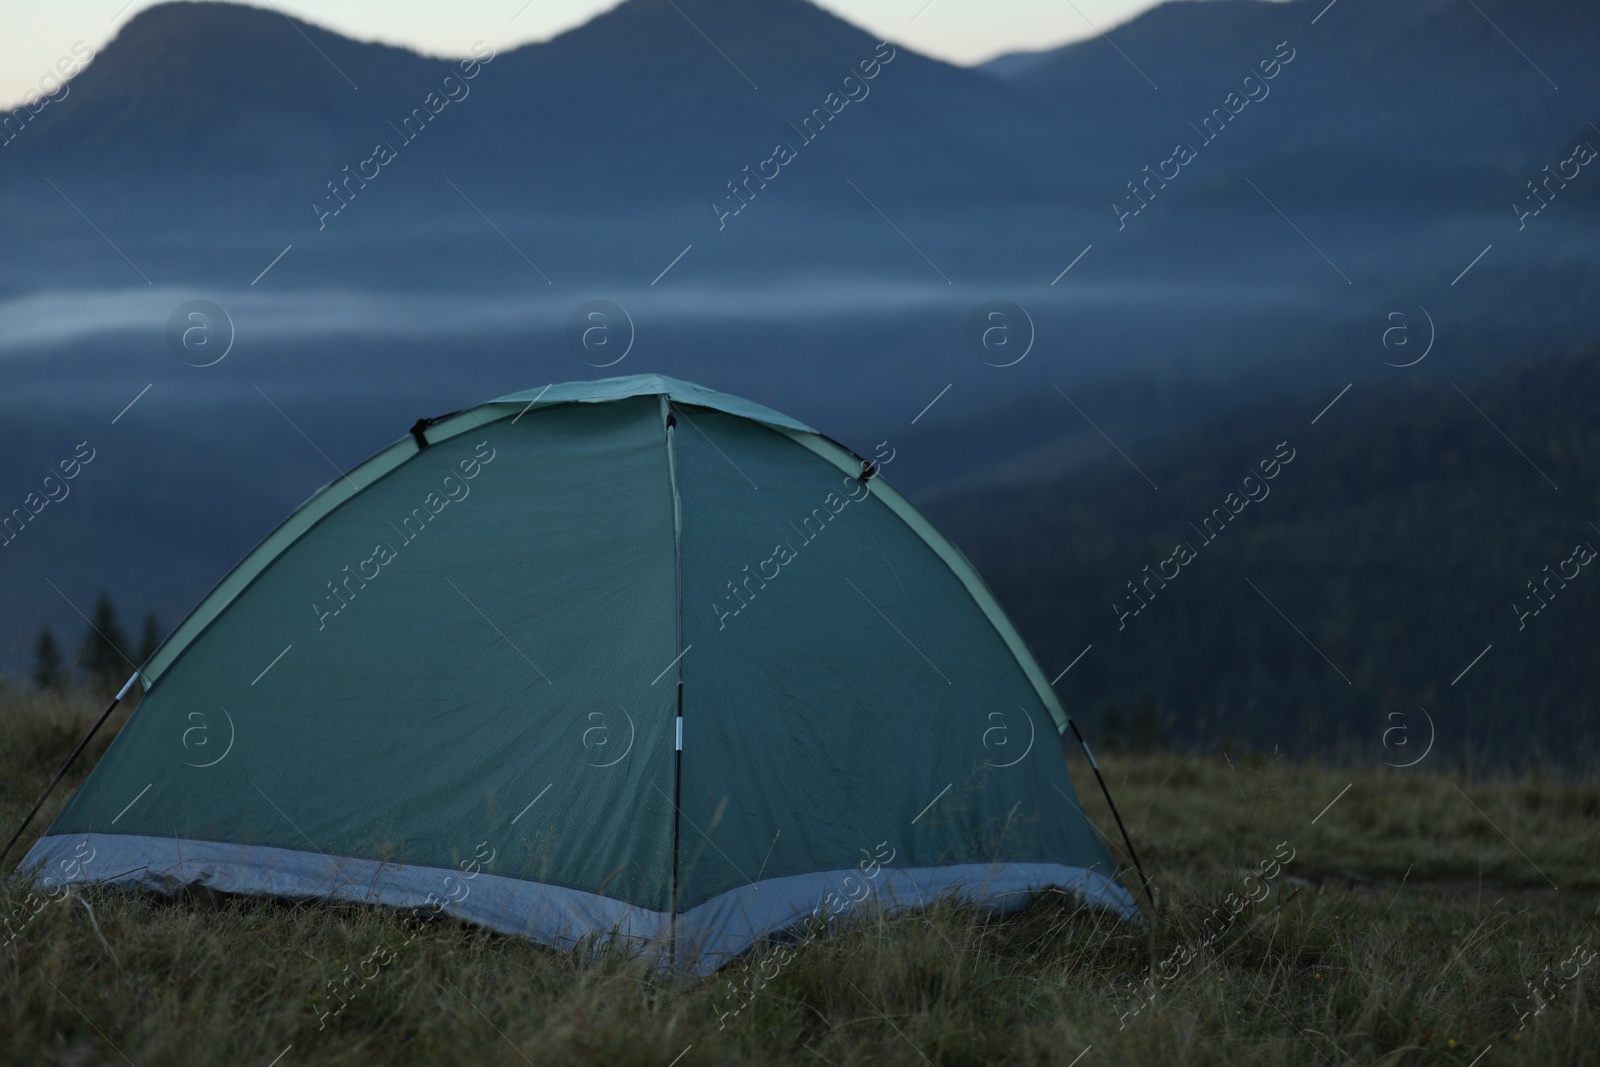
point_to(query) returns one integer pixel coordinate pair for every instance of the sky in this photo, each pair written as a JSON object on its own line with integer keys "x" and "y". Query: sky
{"x": 34, "y": 34}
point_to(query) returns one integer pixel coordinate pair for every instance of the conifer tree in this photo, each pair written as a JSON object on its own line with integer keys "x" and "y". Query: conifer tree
{"x": 149, "y": 639}
{"x": 46, "y": 660}
{"x": 103, "y": 656}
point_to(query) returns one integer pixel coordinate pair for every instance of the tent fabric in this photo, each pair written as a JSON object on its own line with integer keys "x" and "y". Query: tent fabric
{"x": 827, "y": 629}
{"x": 516, "y": 405}
{"x": 626, "y": 658}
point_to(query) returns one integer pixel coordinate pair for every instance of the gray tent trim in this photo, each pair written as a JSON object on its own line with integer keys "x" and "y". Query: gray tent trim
{"x": 707, "y": 936}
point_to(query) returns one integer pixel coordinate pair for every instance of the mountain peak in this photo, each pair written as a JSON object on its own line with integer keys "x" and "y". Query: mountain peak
{"x": 196, "y": 81}
{"x": 178, "y": 22}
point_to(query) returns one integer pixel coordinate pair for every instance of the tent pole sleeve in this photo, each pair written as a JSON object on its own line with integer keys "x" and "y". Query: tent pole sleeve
{"x": 1114, "y": 813}
{"x": 65, "y": 767}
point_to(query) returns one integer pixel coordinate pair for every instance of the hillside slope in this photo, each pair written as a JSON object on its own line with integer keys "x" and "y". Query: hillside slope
{"x": 1395, "y": 541}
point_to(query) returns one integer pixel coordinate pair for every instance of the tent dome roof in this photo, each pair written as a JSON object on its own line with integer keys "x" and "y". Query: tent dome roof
{"x": 683, "y": 392}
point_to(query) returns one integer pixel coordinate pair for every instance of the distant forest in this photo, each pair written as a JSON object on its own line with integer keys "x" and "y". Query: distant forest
{"x": 1421, "y": 522}
{"x": 102, "y": 659}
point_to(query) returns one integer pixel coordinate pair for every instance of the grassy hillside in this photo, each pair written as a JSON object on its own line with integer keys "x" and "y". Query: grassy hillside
{"x": 1398, "y": 925}
{"x": 1409, "y": 521}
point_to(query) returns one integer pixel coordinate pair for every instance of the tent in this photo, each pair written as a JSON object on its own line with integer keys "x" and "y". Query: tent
{"x": 629, "y": 658}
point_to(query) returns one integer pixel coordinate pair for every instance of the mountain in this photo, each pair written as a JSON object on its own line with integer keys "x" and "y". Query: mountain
{"x": 1010, "y": 65}
{"x": 202, "y": 121}
{"x": 216, "y": 151}
{"x": 206, "y": 129}
{"x": 211, "y": 110}
{"x": 222, "y": 89}
{"x": 629, "y": 101}
{"x": 1429, "y": 84}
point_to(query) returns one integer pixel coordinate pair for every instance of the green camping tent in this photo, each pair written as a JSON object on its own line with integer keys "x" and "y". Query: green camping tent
{"x": 631, "y": 658}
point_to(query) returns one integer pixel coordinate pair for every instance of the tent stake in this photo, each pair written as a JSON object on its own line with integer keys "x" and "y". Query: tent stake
{"x": 65, "y": 767}
{"x": 1114, "y": 813}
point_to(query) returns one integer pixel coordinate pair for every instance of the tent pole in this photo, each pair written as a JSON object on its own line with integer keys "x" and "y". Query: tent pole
{"x": 677, "y": 815}
{"x": 1114, "y": 813}
{"x": 670, "y": 421}
{"x": 65, "y": 767}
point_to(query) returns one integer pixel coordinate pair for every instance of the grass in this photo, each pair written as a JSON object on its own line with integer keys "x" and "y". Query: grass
{"x": 1405, "y": 927}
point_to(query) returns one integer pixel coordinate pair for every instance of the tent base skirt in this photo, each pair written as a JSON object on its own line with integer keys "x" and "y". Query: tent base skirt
{"x": 709, "y": 935}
